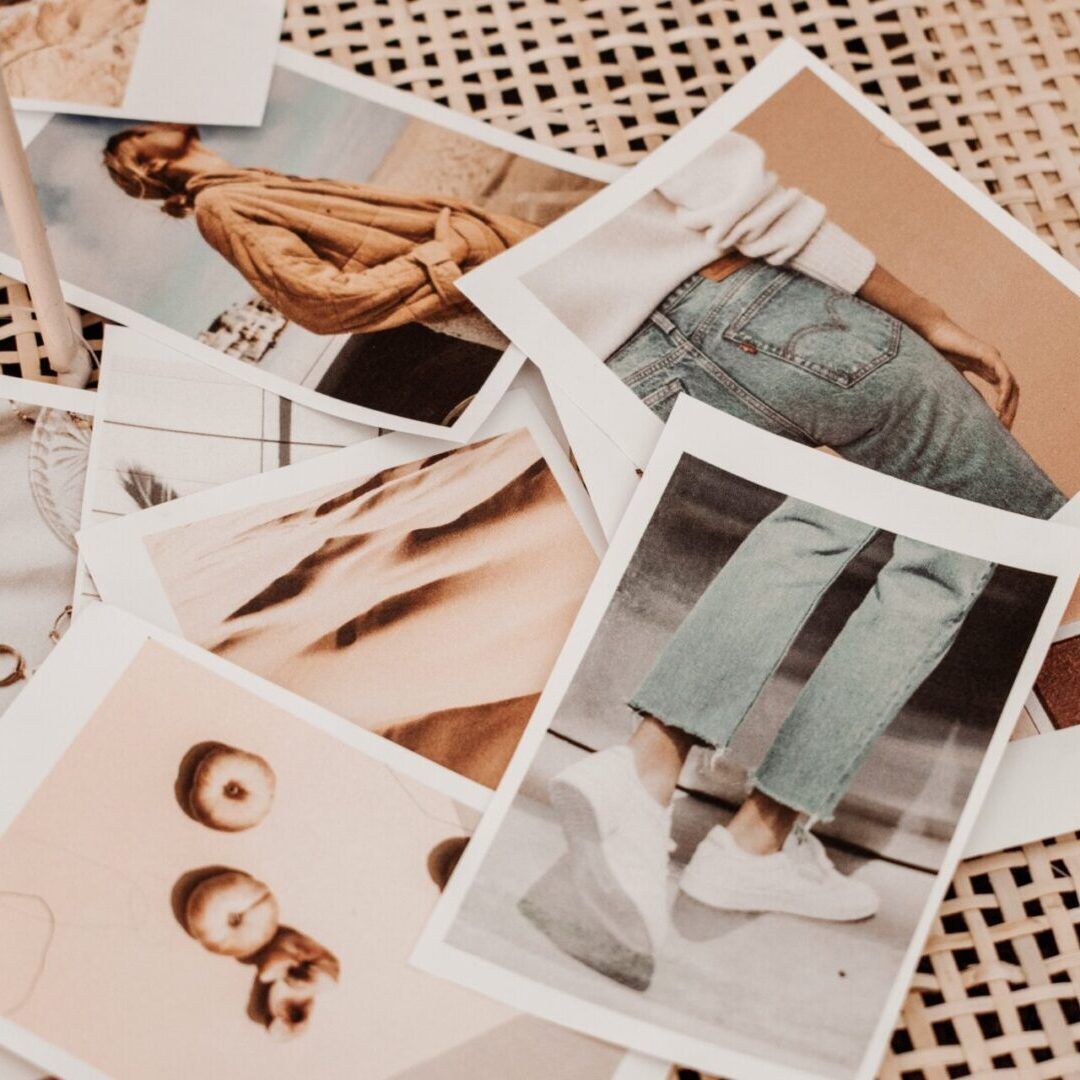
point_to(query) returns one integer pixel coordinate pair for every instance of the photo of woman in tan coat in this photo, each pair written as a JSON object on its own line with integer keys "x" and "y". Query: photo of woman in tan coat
{"x": 333, "y": 256}
{"x": 317, "y": 254}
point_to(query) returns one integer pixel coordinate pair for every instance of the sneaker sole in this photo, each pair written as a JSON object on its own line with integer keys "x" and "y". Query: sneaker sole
{"x": 728, "y": 899}
{"x": 592, "y": 876}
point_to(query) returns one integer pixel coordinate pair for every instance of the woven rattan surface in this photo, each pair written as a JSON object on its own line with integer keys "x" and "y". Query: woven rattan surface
{"x": 22, "y": 352}
{"x": 994, "y": 88}
{"x": 998, "y": 984}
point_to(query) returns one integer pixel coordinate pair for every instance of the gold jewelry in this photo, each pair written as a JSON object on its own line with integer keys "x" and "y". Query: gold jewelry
{"x": 18, "y": 671}
{"x": 56, "y": 633}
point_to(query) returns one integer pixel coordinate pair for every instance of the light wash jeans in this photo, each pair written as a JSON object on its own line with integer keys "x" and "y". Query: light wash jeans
{"x": 792, "y": 355}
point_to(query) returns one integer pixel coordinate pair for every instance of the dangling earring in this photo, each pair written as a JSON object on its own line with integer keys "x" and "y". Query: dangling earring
{"x": 61, "y": 620}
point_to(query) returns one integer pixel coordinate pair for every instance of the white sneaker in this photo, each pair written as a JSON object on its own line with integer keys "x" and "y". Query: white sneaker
{"x": 619, "y": 838}
{"x": 798, "y": 880}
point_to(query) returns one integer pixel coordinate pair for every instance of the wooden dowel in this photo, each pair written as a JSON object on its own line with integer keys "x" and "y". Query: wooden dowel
{"x": 58, "y": 324}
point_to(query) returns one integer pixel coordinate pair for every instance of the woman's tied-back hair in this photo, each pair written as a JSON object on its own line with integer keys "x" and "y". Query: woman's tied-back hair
{"x": 130, "y": 168}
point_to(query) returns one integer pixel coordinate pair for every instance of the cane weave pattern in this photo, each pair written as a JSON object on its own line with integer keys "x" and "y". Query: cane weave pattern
{"x": 998, "y": 984}
{"x": 22, "y": 352}
{"x": 992, "y": 86}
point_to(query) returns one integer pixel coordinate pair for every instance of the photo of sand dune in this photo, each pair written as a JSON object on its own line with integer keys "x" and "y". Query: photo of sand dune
{"x": 426, "y": 602}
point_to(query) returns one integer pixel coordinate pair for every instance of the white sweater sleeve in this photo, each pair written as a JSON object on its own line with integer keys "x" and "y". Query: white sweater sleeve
{"x": 726, "y": 194}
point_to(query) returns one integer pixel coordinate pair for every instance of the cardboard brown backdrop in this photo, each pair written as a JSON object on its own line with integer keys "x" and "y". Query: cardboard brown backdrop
{"x": 939, "y": 246}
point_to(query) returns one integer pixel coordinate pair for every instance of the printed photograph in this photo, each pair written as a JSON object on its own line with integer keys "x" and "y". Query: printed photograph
{"x": 748, "y": 774}
{"x": 166, "y": 426}
{"x": 136, "y": 58}
{"x": 43, "y": 456}
{"x": 805, "y": 273}
{"x": 251, "y": 878}
{"x": 320, "y": 251}
{"x": 426, "y": 602}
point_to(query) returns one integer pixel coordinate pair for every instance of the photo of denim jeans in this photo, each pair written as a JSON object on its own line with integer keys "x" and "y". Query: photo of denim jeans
{"x": 793, "y": 355}
{"x": 856, "y": 673}
{"x": 733, "y": 639}
{"x": 801, "y": 359}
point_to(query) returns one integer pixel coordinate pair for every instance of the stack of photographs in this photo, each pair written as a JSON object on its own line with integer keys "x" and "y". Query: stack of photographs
{"x": 521, "y": 609}
{"x": 773, "y": 650}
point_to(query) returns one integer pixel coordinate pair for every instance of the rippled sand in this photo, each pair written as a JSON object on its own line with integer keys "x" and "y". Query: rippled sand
{"x": 427, "y": 602}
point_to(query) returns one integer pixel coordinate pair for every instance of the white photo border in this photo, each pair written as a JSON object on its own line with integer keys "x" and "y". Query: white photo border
{"x": 47, "y": 395}
{"x": 1034, "y": 795}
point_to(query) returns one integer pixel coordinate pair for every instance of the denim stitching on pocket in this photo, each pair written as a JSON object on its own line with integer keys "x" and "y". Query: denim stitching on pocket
{"x": 736, "y": 334}
{"x": 890, "y": 350}
{"x": 758, "y": 303}
{"x": 720, "y": 305}
{"x": 721, "y": 376}
{"x": 665, "y": 361}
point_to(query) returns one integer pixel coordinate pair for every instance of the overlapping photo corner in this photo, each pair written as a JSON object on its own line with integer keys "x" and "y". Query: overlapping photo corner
{"x": 422, "y": 590}
{"x": 136, "y": 438}
{"x": 249, "y": 877}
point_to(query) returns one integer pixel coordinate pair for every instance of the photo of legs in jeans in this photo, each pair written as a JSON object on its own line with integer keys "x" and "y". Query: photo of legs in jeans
{"x": 795, "y": 356}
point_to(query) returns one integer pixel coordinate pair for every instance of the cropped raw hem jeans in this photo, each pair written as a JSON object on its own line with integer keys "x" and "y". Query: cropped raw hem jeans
{"x": 799, "y": 358}
{"x": 735, "y": 636}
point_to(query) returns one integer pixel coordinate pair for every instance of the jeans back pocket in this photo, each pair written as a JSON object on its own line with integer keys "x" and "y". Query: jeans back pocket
{"x": 827, "y": 332}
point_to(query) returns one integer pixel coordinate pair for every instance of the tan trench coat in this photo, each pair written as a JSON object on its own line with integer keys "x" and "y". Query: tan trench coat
{"x": 338, "y": 257}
